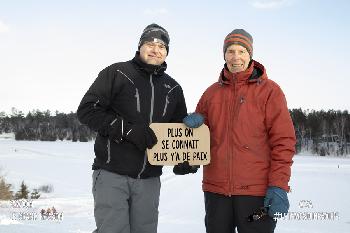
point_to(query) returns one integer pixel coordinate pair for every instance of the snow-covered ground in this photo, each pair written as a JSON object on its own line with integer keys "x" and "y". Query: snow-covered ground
{"x": 319, "y": 185}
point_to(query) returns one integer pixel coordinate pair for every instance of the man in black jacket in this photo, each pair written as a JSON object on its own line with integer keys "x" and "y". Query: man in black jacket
{"x": 124, "y": 99}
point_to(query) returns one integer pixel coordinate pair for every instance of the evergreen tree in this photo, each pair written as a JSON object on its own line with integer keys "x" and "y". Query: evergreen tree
{"x": 23, "y": 192}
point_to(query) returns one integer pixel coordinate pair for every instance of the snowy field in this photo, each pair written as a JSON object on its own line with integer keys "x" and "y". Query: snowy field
{"x": 320, "y": 188}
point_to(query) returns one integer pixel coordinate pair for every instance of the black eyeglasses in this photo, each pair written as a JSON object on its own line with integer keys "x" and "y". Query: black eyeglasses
{"x": 263, "y": 211}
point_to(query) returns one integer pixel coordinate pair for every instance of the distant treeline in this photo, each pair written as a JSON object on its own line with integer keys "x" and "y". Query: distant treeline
{"x": 319, "y": 132}
{"x": 44, "y": 126}
{"x": 322, "y": 132}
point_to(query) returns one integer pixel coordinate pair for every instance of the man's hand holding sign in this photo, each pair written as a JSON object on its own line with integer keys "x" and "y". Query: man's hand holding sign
{"x": 185, "y": 147}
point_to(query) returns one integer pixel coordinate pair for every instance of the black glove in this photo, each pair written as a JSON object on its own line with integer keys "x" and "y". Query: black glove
{"x": 185, "y": 168}
{"x": 141, "y": 136}
{"x": 117, "y": 129}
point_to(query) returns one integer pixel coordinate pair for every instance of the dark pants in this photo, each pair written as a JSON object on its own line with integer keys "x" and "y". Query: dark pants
{"x": 223, "y": 214}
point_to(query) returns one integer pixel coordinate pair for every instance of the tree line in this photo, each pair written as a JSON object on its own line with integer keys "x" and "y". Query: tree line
{"x": 320, "y": 132}
{"x": 44, "y": 126}
{"x": 23, "y": 193}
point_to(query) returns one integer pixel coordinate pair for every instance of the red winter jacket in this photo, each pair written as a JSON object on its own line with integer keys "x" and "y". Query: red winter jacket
{"x": 251, "y": 132}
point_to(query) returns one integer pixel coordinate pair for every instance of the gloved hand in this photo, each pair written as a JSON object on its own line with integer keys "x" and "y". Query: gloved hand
{"x": 116, "y": 129}
{"x": 141, "y": 136}
{"x": 276, "y": 201}
{"x": 193, "y": 120}
{"x": 185, "y": 168}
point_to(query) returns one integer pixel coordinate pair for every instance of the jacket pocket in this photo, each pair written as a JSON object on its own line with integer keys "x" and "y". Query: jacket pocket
{"x": 251, "y": 119}
{"x": 166, "y": 105}
{"x": 167, "y": 100}
{"x": 253, "y": 167}
{"x": 137, "y": 94}
{"x": 217, "y": 170}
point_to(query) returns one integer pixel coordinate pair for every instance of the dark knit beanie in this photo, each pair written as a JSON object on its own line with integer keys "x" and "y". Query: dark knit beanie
{"x": 156, "y": 33}
{"x": 240, "y": 37}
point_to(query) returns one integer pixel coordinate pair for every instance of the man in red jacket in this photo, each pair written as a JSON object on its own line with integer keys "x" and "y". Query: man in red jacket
{"x": 252, "y": 144}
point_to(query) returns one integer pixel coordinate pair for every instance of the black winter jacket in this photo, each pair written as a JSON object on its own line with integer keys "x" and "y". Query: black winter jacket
{"x": 137, "y": 93}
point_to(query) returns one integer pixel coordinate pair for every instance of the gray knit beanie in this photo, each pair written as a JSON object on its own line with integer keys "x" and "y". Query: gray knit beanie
{"x": 156, "y": 33}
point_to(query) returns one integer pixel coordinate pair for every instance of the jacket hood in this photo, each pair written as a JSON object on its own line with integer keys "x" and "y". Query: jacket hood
{"x": 254, "y": 73}
{"x": 148, "y": 68}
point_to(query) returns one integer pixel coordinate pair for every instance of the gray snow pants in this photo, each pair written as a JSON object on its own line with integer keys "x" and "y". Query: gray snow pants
{"x": 123, "y": 204}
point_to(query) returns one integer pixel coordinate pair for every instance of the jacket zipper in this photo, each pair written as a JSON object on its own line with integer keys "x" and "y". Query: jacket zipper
{"x": 108, "y": 151}
{"x": 166, "y": 105}
{"x": 167, "y": 100}
{"x": 230, "y": 133}
{"x": 150, "y": 121}
{"x": 236, "y": 105}
{"x": 152, "y": 99}
{"x": 137, "y": 96}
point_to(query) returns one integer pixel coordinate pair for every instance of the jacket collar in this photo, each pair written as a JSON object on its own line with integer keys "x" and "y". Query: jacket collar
{"x": 149, "y": 69}
{"x": 254, "y": 73}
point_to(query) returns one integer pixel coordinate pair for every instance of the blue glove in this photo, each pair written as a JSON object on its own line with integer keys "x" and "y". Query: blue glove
{"x": 193, "y": 120}
{"x": 276, "y": 201}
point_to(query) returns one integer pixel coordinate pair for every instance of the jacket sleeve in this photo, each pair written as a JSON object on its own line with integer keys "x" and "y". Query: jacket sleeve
{"x": 181, "y": 110}
{"x": 94, "y": 109}
{"x": 202, "y": 109}
{"x": 282, "y": 139}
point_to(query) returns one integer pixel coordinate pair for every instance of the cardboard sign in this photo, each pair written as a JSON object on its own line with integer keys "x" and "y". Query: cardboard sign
{"x": 178, "y": 143}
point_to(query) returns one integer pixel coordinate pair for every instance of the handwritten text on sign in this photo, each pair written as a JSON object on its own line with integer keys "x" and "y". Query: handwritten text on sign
{"x": 177, "y": 143}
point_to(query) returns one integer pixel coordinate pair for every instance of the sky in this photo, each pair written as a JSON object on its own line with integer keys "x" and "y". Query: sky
{"x": 52, "y": 51}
